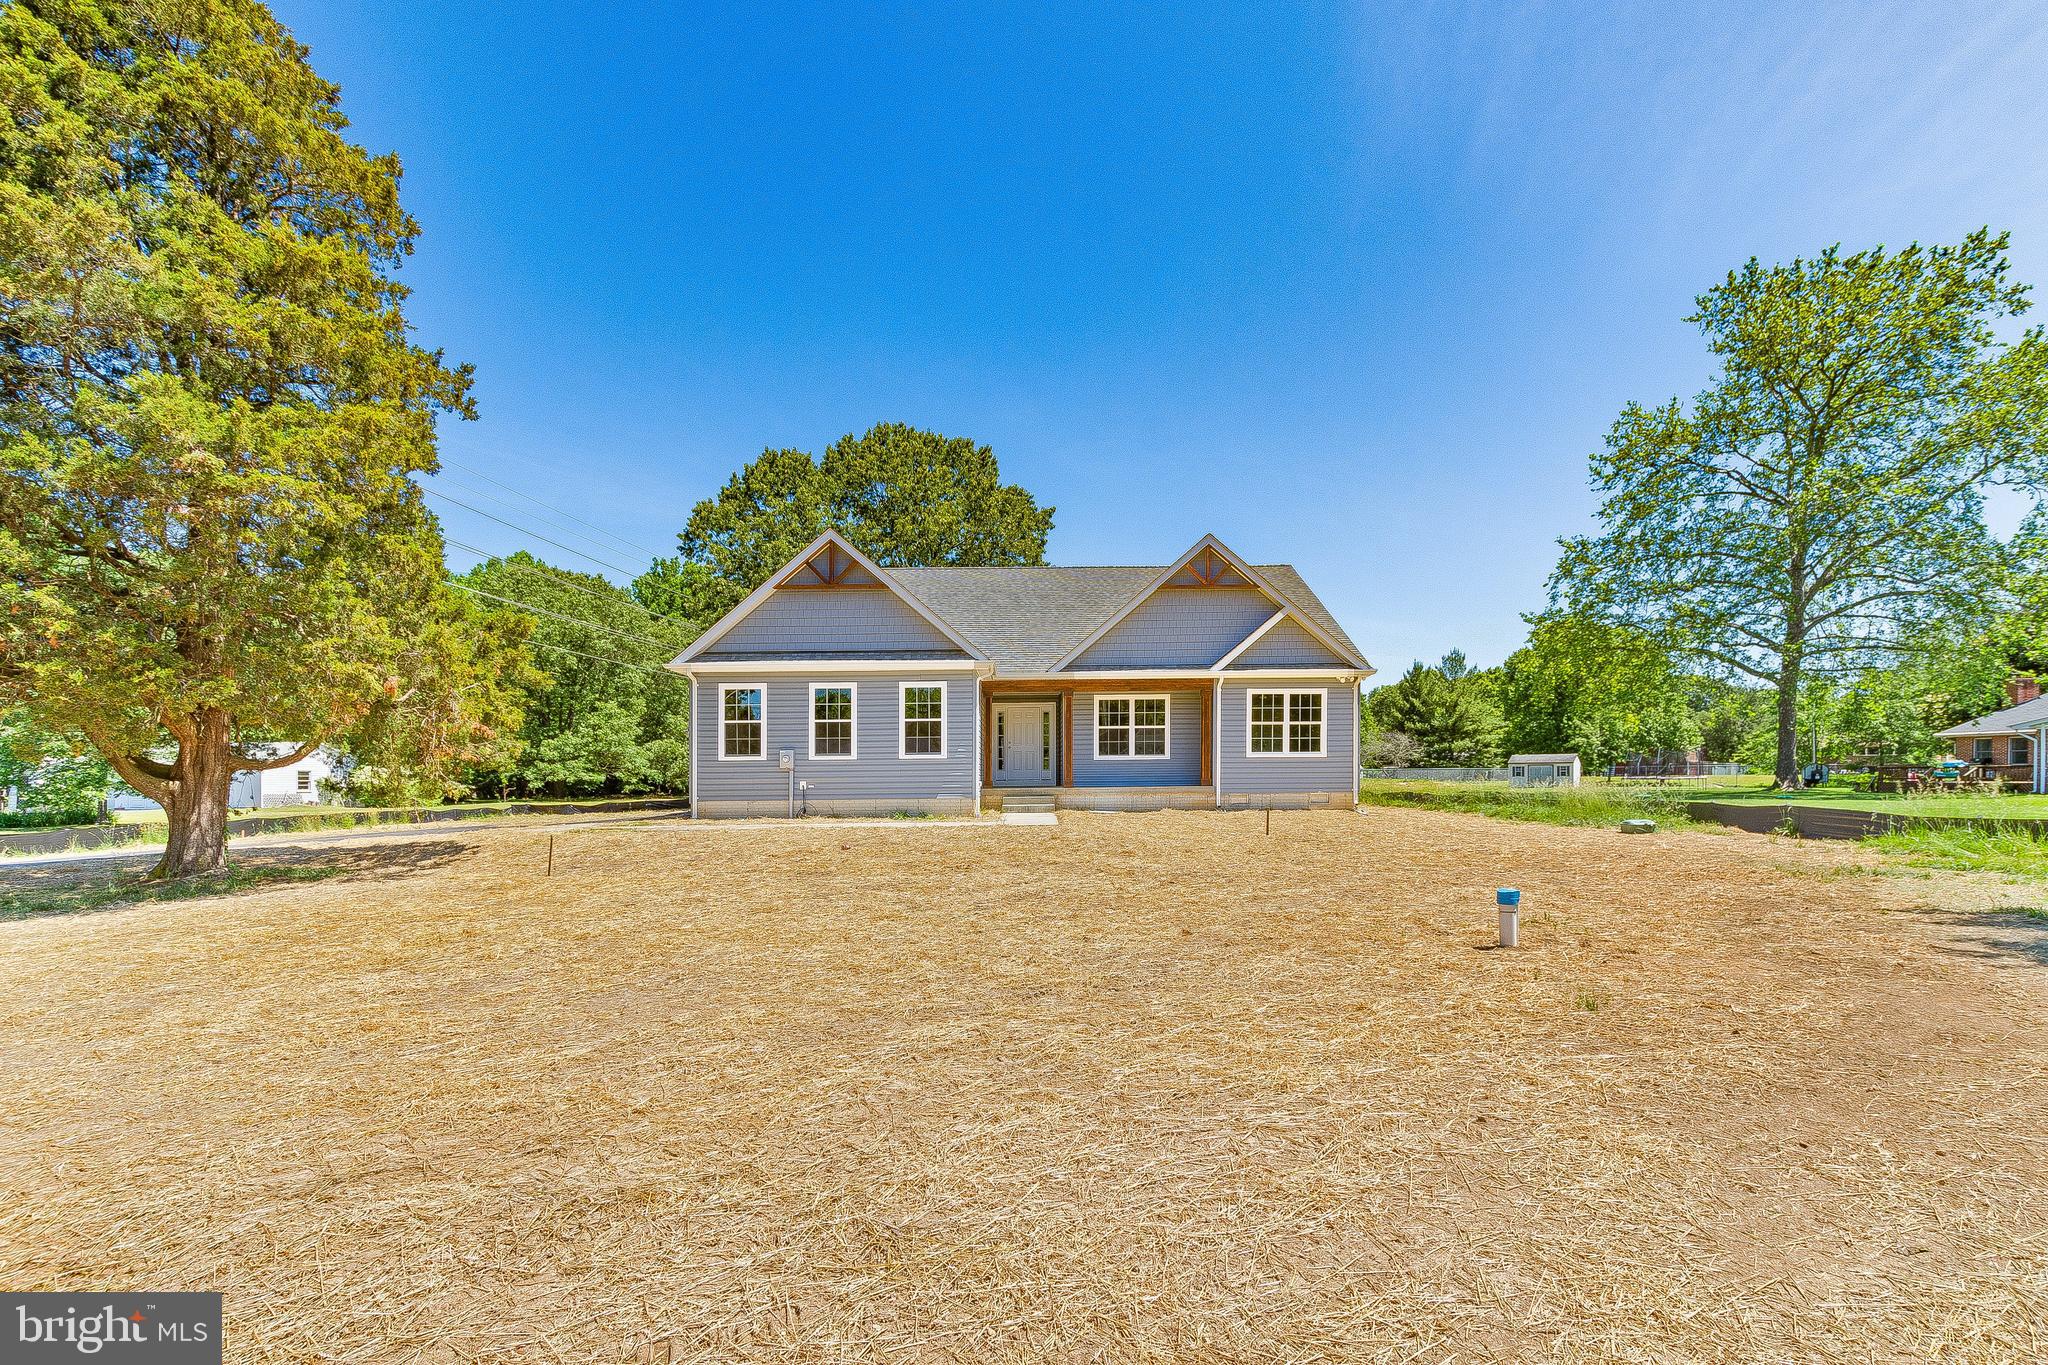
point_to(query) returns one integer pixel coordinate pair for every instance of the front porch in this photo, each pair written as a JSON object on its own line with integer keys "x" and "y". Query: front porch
{"x": 1156, "y": 741}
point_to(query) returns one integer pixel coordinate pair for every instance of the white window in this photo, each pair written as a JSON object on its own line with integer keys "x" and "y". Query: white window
{"x": 306, "y": 778}
{"x": 2022, "y": 752}
{"x": 923, "y": 720}
{"x": 742, "y": 721}
{"x": 832, "y": 721}
{"x": 1980, "y": 752}
{"x": 1286, "y": 723}
{"x": 1130, "y": 727}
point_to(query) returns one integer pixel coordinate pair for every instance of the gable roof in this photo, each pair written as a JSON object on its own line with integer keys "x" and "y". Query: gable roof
{"x": 1212, "y": 549}
{"x": 724, "y": 624}
{"x": 2028, "y": 715}
{"x": 1027, "y": 618}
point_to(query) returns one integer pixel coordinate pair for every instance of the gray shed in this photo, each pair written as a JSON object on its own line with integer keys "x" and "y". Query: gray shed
{"x": 1543, "y": 770}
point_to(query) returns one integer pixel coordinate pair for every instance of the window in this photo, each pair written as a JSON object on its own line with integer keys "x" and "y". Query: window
{"x": 742, "y": 721}
{"x": 2022, "y": 752}
{"x": 1130, "y": 727}
{"x": 1284, "y": 723}
{"x": 924, "y": 720}
{"x": 832, "y": 720}
{"x": 305, "y": 779}
{"x": 1981, "y": 751}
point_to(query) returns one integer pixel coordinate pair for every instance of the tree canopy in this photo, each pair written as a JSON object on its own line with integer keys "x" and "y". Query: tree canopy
{"x": 1447, "y": 711}
{"x": 1602, "y": 691}
{"x": 599, "y": 710}
{"x": 903, "y": 495}
{"x": 211, "y": 407}
{"x": 1818, "y": 510}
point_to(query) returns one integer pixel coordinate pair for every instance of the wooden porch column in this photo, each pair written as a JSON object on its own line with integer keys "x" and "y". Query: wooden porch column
{"x": 1067, "y": 737}
{"x": 1206, "y": 697}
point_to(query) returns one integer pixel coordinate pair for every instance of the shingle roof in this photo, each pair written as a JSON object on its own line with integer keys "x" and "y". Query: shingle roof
{"x": 2009, "y": 721}
{"x": 1029, "y": 617}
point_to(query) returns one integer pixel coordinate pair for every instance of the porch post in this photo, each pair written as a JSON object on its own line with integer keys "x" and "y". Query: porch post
{"x": 1066, "y": 737}
{"x": 988, "y": 739}
{"x": 1208, "y": 737}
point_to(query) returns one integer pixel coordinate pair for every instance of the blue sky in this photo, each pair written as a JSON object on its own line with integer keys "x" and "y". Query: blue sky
{"x": 1355, "y": 287}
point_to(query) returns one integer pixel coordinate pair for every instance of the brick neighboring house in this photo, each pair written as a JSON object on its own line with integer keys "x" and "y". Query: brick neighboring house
{"x": 2008, "y": 741}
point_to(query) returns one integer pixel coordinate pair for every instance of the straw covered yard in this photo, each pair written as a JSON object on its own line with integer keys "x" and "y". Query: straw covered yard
{"x": 1133, "y": 1088}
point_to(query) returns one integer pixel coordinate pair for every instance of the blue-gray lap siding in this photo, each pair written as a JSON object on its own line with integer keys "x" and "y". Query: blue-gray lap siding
{"x": 1283, "y": 773}
{"x": 832, "y": 621}
{"x": 877, "y": 773}
{"x": 1181, "y": 628}
{"x": 1182, "y": 766}
{"x": 1287, "y": 645}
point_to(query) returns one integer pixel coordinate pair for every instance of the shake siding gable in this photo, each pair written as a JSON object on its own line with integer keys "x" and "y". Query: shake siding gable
{"x": 832, "y": 621}
{"x": 1241, "y": 775}
{"x": 1287, "y": 645}
{"x": 1182, "y": 767}
{"x": 1180, "y": 628}
{"x": 877, "y": 781}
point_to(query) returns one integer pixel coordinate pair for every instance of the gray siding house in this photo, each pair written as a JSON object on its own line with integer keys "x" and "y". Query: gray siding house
{"x": 843, "y": 688}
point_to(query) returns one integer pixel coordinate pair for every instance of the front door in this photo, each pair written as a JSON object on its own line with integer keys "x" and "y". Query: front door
{"x": 1023, "y": 743}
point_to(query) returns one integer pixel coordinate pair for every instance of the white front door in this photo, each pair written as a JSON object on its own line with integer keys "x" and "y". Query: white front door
{"x": 1023, "y": 742}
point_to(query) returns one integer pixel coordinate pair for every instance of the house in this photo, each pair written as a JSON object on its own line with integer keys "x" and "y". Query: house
{"x": 301, "y": 784}
{"x": 1543, "y": 770}
{"x": 843, "y": 688}
{"x": 2008, "y": 741}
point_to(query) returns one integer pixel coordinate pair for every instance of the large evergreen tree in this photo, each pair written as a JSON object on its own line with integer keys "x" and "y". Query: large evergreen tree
{"x": 211, "y": 408}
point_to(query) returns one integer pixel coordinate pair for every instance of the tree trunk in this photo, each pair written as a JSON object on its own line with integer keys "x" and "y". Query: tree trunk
{"x": 1788, "y": 727}
{"x": 198, "y": 805}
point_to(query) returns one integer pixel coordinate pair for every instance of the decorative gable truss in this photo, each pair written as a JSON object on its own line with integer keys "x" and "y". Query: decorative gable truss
{"x": 1210, "y": 610}
{"x": 829, "y": 601}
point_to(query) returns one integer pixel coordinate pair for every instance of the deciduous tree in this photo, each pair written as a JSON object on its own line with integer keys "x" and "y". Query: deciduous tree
{"x": 903, "y": 495}
{"x": 1819, "y": 508}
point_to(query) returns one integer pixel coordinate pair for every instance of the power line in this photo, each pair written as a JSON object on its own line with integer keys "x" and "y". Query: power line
{"x": 551, "y": 513}
{"x": 560, "y": 578}
{"x": 525, "y": 531}
{"x": 571, "y": 516}
{"x": 603, "y": 658}
{"x": 571, "y": 620}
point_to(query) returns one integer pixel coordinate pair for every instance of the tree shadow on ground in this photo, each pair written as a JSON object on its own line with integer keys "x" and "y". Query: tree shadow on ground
{"x": 44, "y": 889}
{"x": 2003, "y": 938}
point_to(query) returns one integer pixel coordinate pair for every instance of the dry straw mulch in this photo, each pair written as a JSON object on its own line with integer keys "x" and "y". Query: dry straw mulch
{"x": 1135, "y": 1088}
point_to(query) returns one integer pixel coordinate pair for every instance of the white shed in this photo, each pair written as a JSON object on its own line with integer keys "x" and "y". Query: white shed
{"x": 1543, "y": 770}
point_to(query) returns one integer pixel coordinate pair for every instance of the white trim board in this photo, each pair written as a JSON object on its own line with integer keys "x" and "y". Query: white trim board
{"x": 818, "y": 667}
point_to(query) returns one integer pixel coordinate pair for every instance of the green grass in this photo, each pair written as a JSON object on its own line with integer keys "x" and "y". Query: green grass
{"x": 122, "y": 889}
{"x": 2017, "y": 806}
{"x": 1603, "y": 804}
{"x": 1969, "y": 849}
